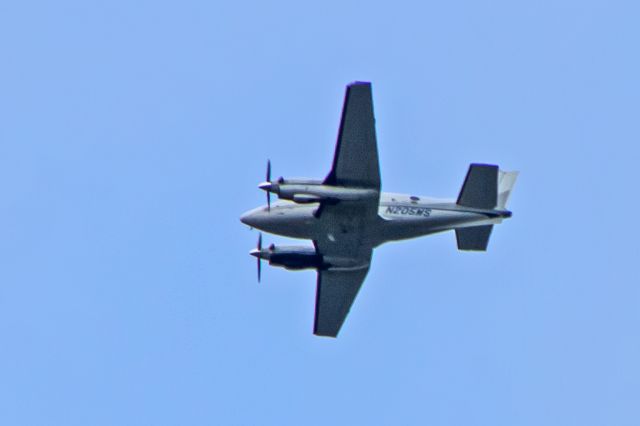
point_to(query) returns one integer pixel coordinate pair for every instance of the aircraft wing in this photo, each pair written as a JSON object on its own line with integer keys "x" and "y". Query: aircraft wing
{"x": 355, "y": 163}
{"x": 334, "y": 296}
{"x": 344, "y": 239}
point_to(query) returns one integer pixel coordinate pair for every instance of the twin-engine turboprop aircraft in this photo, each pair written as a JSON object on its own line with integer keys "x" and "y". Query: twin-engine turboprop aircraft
{"x": 347, "y": 216}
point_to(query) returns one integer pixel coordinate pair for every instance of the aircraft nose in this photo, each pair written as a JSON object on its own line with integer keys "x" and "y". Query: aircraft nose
{"x": 251, "y": 218}
{"x": 246, "y": 219}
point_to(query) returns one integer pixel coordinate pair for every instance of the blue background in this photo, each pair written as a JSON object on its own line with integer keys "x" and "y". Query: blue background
{"x": 133, "y": 135}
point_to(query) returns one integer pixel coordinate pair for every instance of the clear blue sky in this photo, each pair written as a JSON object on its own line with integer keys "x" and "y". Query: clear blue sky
{"x": 133, "y": 135}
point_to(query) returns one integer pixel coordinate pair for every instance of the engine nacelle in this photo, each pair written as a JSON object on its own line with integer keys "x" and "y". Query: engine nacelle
{"x": 291, "y": 257}
{"x": 300, "y": 257}
{"x": 312, "y": 192}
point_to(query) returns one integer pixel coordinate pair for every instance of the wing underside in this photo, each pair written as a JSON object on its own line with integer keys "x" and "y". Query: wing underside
{"x": 335, "y": 294}
{"x": 355, "y": 163}
{"x": 345, "y": 240}
{"x": 345, "y": 225}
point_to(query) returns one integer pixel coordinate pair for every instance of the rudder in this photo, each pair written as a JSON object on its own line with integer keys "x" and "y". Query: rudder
{"x": 506, "y": 180}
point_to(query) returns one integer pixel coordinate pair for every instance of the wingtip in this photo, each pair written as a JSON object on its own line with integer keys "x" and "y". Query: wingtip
{"x": 360, "y": 83}
{"x": 325, "y": 334}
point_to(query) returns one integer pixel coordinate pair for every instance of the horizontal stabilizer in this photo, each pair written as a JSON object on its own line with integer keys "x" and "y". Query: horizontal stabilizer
{"x": 475, "y": 238}
{"x": 480, "y": 188}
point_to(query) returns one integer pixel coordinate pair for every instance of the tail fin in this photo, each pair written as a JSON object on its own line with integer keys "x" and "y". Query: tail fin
{"x": 480, "y": 188}
{"x": 506, "y": 180}
{"x": 485, "y": 187}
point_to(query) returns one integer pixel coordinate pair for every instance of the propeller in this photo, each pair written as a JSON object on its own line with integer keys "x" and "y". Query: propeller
{"x": 269, "y": 186}
{"x": 256, "y": 252}
{"x": 259, "y": 259}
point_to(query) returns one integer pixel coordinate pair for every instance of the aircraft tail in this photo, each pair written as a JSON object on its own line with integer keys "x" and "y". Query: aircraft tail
{"x": 485, "y": 187}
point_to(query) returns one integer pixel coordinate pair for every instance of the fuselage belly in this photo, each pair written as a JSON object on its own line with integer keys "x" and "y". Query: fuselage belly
{"x": 395, "y": 220}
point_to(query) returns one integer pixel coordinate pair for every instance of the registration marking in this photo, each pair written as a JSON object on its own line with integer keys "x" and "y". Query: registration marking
{"x": 409, "y": 211}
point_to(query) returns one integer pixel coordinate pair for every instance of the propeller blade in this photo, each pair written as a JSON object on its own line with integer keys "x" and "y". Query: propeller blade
{"x": 268, "y": 171}
{"x": 268, "y": 180}
{"x": 259, "y": 259}
{"x": 259, "y": 269}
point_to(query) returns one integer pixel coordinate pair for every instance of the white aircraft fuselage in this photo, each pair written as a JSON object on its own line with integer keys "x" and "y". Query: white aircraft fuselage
{"x": 400, "y": 216}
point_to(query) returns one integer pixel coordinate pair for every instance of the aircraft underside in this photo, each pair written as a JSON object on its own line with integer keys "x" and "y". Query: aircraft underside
{"x": 346, "y": 216}
{"x": 394, "y": 222}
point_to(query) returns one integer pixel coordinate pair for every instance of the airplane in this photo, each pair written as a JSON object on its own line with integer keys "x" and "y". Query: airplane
{"x": 347, "y": 216}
